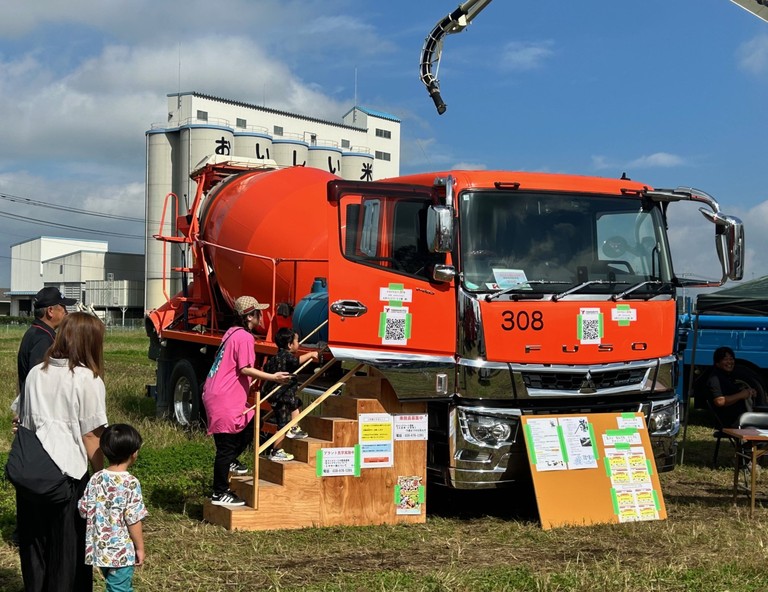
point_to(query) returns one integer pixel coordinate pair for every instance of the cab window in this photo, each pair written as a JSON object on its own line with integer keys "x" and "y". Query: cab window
{"x": 389, "y": 233}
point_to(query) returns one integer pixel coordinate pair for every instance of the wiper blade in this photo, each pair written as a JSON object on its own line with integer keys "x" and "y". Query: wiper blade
{"x": 584, "y": 285}
{"x": 631, "y": 289}
{"x": 513, "y": 287}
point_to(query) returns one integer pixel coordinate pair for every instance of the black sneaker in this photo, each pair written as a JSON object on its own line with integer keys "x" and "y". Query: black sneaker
{"x": 238, "y": 468}
{"x": 227, "y": 498}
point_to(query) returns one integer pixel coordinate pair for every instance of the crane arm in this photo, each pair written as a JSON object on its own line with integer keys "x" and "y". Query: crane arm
{"x": 455, "y": 22}
{"x": 757, "y": 7}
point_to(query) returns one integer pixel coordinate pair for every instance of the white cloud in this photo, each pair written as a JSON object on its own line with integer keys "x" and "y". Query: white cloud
{"x": 753, "y": 55}
{"x": 26, "y": 218}
{"x": 87, "y": 81}
{"x": 655, "y": 160}
{"x": 756, "y": 238}
{"x": 416, "y": 154}
{"x": 148, "y": 19}
{"x": 343, "y": 31}
{"x": 102, "y": 108}
{"x": 520, "y": 55}
{"x": 692, "y": 240}
{"x": 469, "y": 166}
{"x": 117, "y": 199}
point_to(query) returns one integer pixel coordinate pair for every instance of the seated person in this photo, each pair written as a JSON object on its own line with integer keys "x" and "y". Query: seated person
{"x": 727, "y": 398}
{"x": 550, "y": 257}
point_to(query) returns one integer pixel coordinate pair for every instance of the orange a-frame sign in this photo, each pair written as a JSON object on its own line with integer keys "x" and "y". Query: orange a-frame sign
{"x": 592, "y": 468}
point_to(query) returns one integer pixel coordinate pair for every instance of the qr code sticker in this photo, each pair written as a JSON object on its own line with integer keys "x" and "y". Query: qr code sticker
{"x": 394, "y": 330}
{"x": 590, "y": 326}
{"x": 590, "y": 330}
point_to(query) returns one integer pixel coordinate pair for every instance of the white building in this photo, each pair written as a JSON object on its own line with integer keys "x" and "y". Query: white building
{"x": 71, "y": 265}
{"x": 363, "y": 145}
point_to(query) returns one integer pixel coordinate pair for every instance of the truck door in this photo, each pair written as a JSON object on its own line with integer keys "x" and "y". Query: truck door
{"x": 383, "y": 304}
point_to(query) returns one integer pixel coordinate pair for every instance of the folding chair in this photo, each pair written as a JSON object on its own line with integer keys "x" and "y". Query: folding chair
{"x": 750, "y": 419}
{"x": 718, "y": 433}
{"x": 753, "y": 419}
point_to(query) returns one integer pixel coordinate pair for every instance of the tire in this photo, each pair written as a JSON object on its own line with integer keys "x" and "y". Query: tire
{"x": 746, "y": 375}
{"x": 186, "y": 404}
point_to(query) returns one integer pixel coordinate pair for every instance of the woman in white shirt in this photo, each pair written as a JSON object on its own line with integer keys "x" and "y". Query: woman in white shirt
{"x": 64, "y": 404}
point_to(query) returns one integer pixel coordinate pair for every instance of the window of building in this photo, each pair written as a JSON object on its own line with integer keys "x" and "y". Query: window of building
{"x": 202, "y": 115}
{"x": 382, "y": 133}
{"x": 278, "y": 130}
{"x": 240, "y": 122}
{"x": 345, "y": 143}
{"x": 61, "y": 269}
{"x": 382, "y": 155}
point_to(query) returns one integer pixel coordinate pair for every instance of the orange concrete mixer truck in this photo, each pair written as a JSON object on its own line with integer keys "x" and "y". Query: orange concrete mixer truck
{"x": 487, "y": 294}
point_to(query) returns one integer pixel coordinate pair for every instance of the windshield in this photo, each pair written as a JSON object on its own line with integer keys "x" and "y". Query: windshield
{"x": 531, "y": 243}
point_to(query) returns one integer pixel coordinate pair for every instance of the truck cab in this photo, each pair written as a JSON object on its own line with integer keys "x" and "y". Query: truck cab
{"x": 493, "y": 295}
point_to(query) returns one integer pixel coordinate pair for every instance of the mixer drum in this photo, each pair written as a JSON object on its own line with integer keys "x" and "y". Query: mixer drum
{"x": 251, "y": 219}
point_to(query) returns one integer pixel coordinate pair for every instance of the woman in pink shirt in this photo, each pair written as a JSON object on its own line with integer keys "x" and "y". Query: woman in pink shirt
{"x": 225, "y": 397}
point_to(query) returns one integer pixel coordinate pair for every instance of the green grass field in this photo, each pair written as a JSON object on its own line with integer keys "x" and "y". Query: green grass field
{"x": 486, "y": 541}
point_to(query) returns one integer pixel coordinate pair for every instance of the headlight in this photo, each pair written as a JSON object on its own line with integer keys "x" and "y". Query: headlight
{"x": 665, "y": 418}
{"x": 486, "y": 430}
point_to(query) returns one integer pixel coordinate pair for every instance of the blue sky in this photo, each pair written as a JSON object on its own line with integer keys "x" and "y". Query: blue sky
{"x": 672, "y": 93}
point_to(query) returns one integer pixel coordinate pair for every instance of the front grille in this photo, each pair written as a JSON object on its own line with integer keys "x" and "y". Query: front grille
{"x": 572, "y": 381}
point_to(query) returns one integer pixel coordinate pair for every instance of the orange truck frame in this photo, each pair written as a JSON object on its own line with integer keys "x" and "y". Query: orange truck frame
{"x": 488, "y": 294}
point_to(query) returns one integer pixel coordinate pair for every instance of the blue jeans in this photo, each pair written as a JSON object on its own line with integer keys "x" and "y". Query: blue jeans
{"x": 119, "y": 579}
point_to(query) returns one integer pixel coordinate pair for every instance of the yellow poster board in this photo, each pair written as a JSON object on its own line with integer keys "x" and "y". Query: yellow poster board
{"x": 592, "y": 468}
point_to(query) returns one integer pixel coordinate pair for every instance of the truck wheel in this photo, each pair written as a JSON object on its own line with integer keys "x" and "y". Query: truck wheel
{"x": 186, "y": 394}
{"x": 745, "y": 375}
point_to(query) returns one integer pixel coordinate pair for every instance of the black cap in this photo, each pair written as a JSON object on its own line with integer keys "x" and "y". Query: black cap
{"x": 51, "y": 296}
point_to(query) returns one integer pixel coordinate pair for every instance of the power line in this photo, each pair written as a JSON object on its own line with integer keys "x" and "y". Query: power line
{"x": 68, "y": 227}
{"x": 33, "y": 202}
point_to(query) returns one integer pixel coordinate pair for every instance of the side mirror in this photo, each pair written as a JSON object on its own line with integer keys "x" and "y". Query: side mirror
{"x": 443, "y": 273}
{"x": 734, "y": 248}
{"x": 729, "y": 242}
{"x": 440, "y": 229}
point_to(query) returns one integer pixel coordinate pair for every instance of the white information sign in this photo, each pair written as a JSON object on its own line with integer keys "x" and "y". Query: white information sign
{"x": 545, "y": 440}
{"x": 376, "y": 440}
{"x": 577, "y": 438}
{"x": 411, "y": 426}
{"x": 336, "y": 462}
{"x": 390, "y": 295}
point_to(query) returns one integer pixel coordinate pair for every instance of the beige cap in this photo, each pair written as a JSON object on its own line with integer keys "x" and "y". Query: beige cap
{"x": 245, "y": 305}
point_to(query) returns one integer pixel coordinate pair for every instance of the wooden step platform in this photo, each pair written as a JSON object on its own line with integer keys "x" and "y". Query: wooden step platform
{"x": 292, "y": 495}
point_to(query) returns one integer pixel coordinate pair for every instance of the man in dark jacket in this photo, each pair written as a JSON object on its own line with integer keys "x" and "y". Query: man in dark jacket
{"x": 50, "y": 309}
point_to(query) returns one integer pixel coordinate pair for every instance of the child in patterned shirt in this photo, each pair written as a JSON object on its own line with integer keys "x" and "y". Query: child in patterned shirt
{"x": 113, "y": 508}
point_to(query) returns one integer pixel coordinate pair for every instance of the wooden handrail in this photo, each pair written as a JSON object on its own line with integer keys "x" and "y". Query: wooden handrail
{"x": 284, "y": 430}
{"x": 310, "y": 407}
{"x": 295, "y": 372}
{"x": 302, "y": 386}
